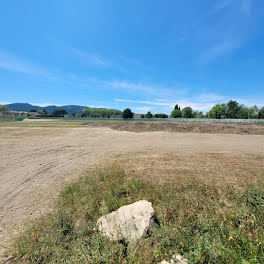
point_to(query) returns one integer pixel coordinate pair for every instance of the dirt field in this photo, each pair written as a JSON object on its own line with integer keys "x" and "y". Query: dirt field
{"x": 38, "y": 158}
{"x": 183, "y": 127}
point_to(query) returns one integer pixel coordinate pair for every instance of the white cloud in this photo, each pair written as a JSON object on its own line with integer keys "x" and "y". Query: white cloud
{"x": 164, "y": 103}
{"x": 148, "y": 89}
{"x": 246, "y": 7}
{"x": 211, "y": 97}
{"x": 90, "y": 58}
{"x": 218, "y": 50}
{"x": 12, "y": 63}
{"x": 220, "y": 6}
{"x": 44, "y": 104}
{"x": 142, "y": 109}
{"x": 168, "y": 105}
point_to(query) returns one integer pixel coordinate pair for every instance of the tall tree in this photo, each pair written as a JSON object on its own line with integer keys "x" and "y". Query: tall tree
{"x": 149, "y": 115}
{"x": 261, "y": 113}
{"x": 4, "y": 109}
{"x": 187, "y": 112}
{"x": 176, "y": 113}
{"x": 218, "y": 111}
{"x": 59, "y": 112}
{"x": 127, "y": 113}
{"x": 233, "y": 109}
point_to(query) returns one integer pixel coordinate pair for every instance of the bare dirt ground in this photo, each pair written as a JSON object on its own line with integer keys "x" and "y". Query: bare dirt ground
{"x": 38, "y": 158}
{"x": 192, "y": 127}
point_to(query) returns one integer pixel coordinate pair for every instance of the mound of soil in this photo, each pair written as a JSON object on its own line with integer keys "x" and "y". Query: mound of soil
{"x": 187, "y": 127}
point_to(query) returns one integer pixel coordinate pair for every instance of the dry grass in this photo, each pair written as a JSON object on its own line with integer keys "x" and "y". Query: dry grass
{"x": 219, "y": 169}
{"x": 209, "y": 206}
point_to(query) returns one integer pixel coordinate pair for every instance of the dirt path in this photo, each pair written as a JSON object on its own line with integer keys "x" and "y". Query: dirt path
{"x": 37, "y": 162}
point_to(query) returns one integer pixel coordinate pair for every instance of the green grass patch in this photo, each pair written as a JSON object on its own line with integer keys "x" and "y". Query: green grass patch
{"x": 197, "y": 220}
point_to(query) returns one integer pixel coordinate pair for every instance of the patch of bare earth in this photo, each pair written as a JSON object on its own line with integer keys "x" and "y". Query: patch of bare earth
{"x": 191, "y": 127}
{"x": 37, "y": 162}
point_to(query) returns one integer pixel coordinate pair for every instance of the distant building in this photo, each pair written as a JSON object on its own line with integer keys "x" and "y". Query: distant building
{"x": 69, "y": 115}
{"x": 24, "y": 113}
{"x": 137, "y": 115}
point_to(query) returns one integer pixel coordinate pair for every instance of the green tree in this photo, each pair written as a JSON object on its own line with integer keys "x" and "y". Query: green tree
{"x": 248, "y": 112}
{"x": 43, "y": 112}
{"x": 176, "y": 113}
{"x": 127, "y": 113}
{"x": 187, "y": 112}
{"x": 101, "y": 112}
{"x": 78, "y": 115}
{"x": 177, "y": 107}
{"x": 59, "y": 112}
{"x": 233, "y": 109}
{"x": 33, "y": 110}
{"x": 197, "y": 114}
{"x": 218, "y": 111}
{"x": 149, "y": 115}
{"x": 261, "y": 113}
{"x": 253, "y": 112}
{"x": 4, "y": 109}
{"x": 161, "y": 115}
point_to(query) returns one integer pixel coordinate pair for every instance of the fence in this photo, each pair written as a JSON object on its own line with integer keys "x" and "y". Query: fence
{"x": 251, "y": 121}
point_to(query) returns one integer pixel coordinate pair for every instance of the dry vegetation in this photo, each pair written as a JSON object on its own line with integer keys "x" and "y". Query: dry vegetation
{"x": 183, "y": 127}
{"x": 209, "y": 207}
{"x": 207, "y": 190}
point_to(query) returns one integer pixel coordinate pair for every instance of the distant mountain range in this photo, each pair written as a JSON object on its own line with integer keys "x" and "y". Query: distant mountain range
{"x": 73, "y": 109}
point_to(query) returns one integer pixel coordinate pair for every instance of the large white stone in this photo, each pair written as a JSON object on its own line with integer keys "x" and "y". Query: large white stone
{"x": 176, "y": 259}
{"x": 129, "y": 222}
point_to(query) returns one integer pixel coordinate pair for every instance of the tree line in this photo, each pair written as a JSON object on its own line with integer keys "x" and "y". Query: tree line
{"x": 230, "y": 110}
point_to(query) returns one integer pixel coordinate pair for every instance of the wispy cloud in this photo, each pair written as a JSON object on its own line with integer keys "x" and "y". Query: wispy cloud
{"x": 246, "y": 7}
{"x": 201, "y": 102}
{"x": 44, "y": 104}
{"x": 142, "y": 109}
{"x": 148, "y": 89}
{"x": 12, "y": 63}
{"x": 168, "y": 105}
{"x": 220, "y": 6}
{"x": 218, "y": 50}
{"x": 89, "y": 58}
{"x": 211, "y": 97}
{"x": 4, "y": 103}
{"x": 154, "y": 102}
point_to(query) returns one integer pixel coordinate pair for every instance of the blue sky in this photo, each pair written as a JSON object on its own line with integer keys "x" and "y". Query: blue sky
{"x": 142, "y": 54}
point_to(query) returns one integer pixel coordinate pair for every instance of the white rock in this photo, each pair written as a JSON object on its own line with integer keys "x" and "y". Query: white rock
{"x": 129, "y": 222}
{"x": 176, "y": 259}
